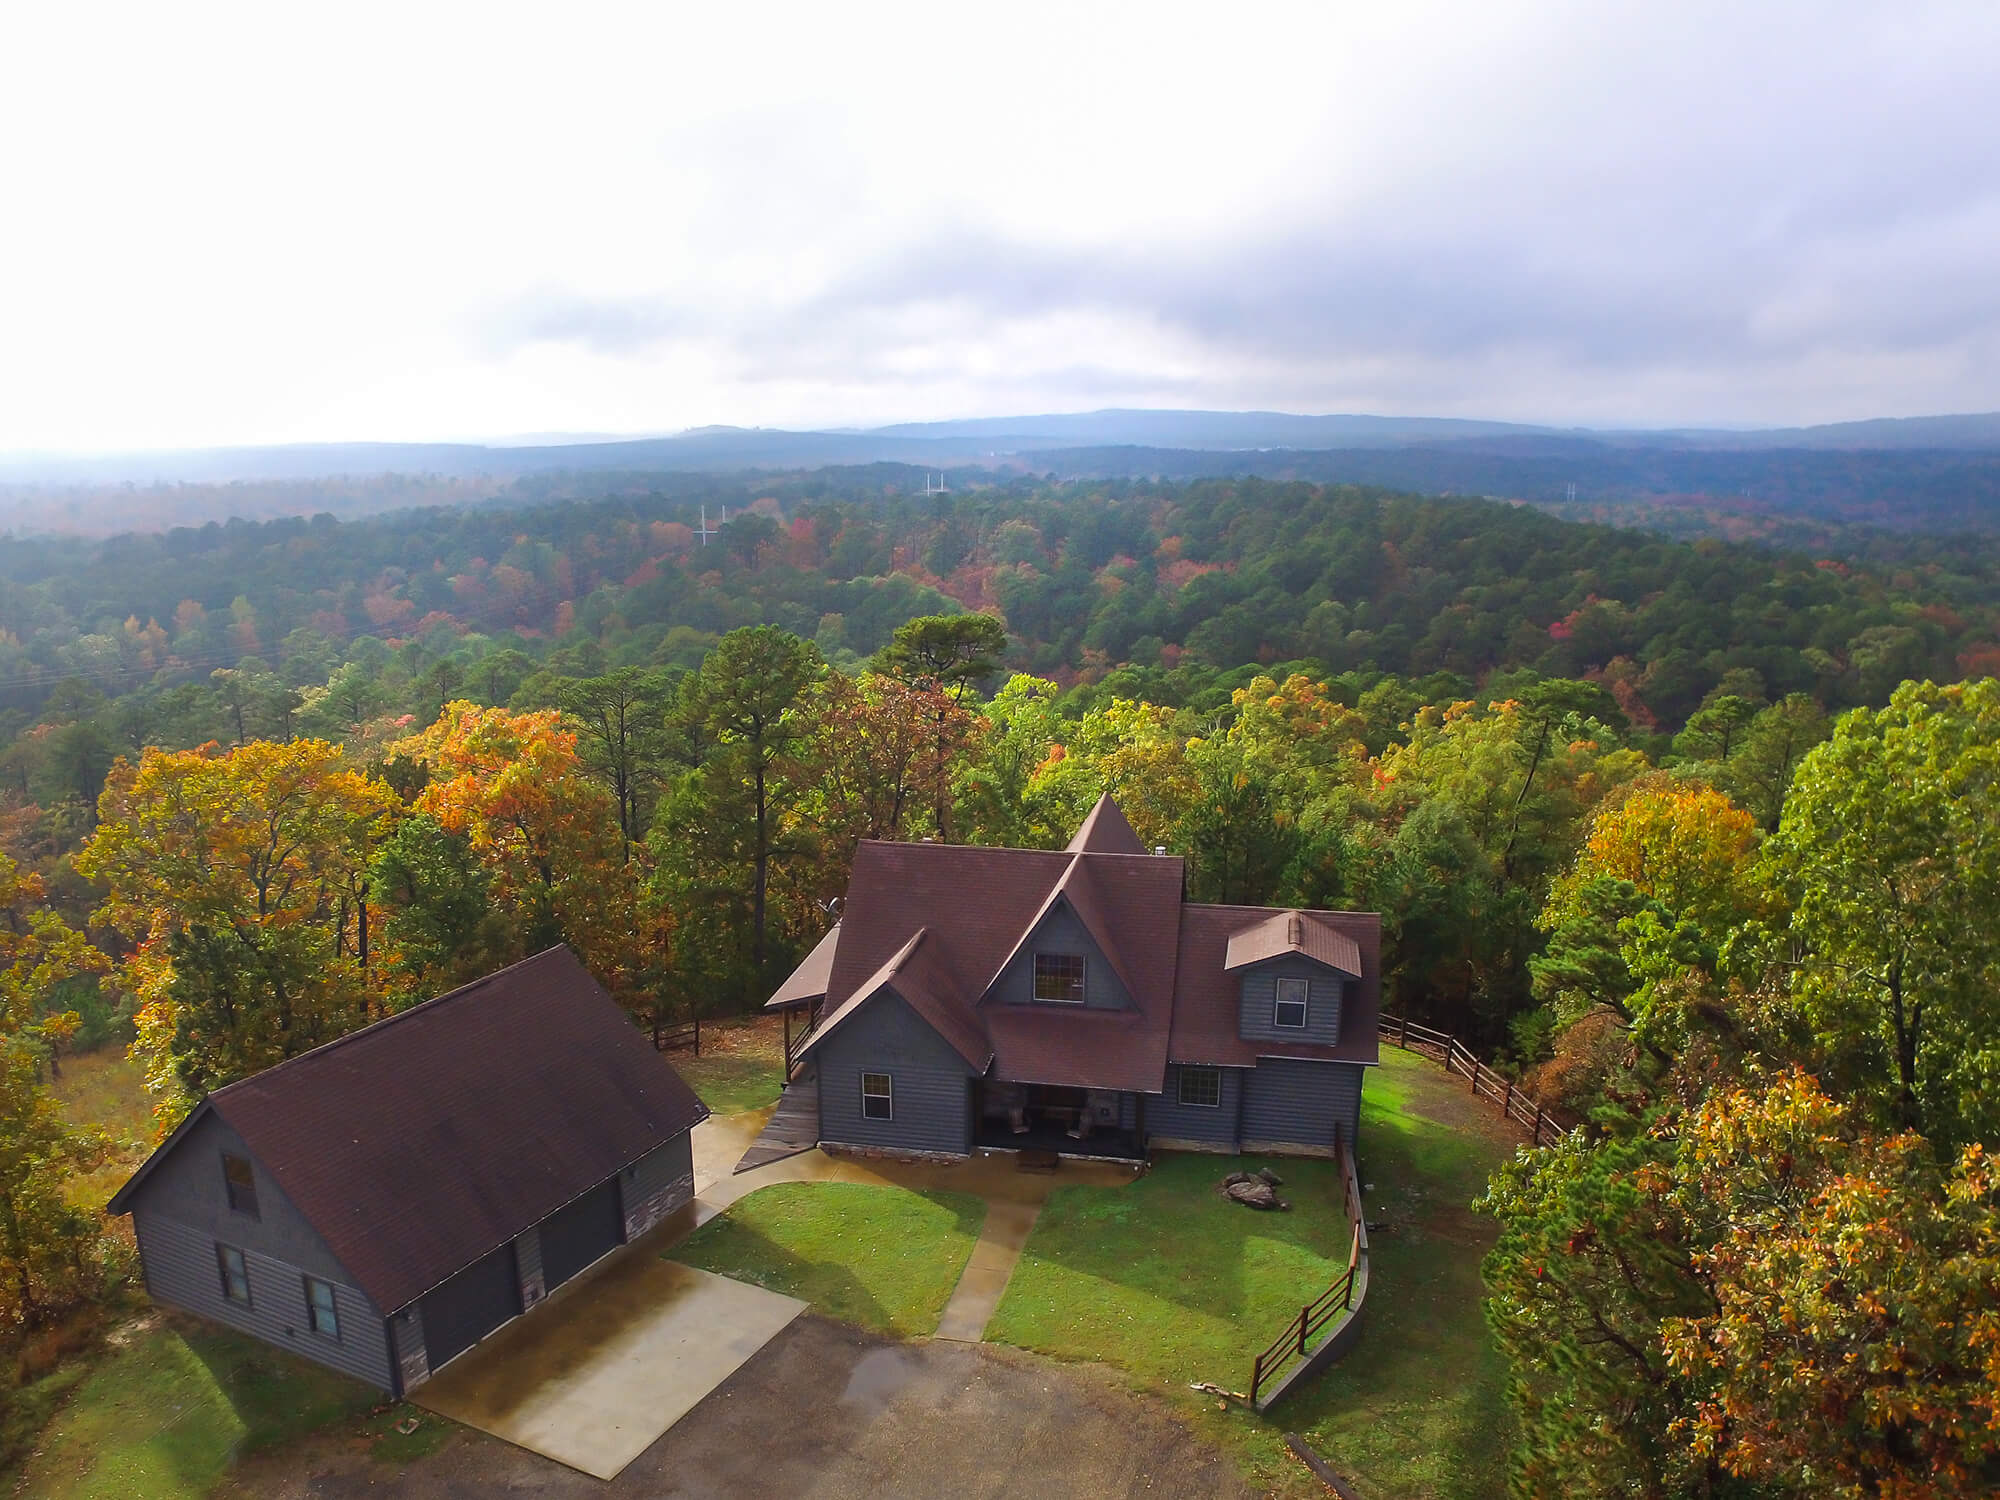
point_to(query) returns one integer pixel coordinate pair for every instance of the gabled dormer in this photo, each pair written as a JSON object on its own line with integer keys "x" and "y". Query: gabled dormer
{"x": 1065, "y": 959}
{"x": 1292, "y": 974}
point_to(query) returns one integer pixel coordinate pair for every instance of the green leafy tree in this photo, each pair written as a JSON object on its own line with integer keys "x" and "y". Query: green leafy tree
{"x": 622, "y": 721}
{"x": 1889, "y": 859}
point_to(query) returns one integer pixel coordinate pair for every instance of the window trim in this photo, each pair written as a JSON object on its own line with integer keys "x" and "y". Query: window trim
{"x": 1303, "y": 1001}
{"x": 222, "y": 1254}
{"x": 1082, "y": 996}
{"x": 887, "y": 1094}
{"x": 1192, "y": 1071}
{"x": 234, "y": 1193}
{"x": 313, "y": 1309}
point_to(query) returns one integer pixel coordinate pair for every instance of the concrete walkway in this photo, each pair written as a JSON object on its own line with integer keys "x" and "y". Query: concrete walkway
{"x": 988, "y": 1271}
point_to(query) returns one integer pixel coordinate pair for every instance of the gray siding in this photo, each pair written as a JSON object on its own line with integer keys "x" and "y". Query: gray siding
{"x": 181, "y": 1270}
{"x": 1169, "y": 1120}
{"x": 933, "y": 1102}
{"x": 528, "y": 1266}
{"x": 1259, "y": 992}
{"x": 658, "y": 1183}
{"x": 406, "y": 1346}
{"x": 1061, "y": 932}
{"x": 1298, "y": 1103}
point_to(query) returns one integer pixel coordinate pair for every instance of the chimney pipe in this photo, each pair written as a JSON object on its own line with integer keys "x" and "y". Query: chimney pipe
{"x": 1159, "y": 848}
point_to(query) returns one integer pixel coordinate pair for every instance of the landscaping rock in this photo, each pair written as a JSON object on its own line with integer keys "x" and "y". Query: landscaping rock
{"x": 1265, "y": 1174}
{"x": 1253, "y": 1194}
{"x": 1233, "y": 1178}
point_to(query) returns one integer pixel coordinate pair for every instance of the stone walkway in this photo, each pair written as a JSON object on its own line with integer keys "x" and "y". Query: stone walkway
{"x": 988, "y": 1271}
{"x": 1013, "y": 1200}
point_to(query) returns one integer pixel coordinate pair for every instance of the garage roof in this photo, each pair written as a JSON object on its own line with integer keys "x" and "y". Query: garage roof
{"x": 419, "y": 1144}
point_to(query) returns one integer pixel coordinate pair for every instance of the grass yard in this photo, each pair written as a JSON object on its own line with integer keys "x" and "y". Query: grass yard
{"x": 740, "y": 1065}
{"x": 1169, "y": 1283}
{"x": 1168, "y": 1280}
{"x": 165, "y": 1415}
{"x": 882, "y": 1257}
{"x": 106, "y": 1090}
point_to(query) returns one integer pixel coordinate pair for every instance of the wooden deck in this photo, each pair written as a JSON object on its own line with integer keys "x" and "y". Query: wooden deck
{"x": 792, "y": 1128}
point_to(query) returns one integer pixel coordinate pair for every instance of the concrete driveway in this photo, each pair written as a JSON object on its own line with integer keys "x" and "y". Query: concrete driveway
{"x": 592, "y": 1377}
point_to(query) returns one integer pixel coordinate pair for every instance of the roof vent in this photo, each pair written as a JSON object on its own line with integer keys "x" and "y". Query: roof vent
{"x": 927, "y": 838}
{"x": 1159, "y": 848}
{"x": 1295, "y": 931}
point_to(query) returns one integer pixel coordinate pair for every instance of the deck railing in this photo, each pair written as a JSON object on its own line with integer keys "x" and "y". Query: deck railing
{"x": 1543, "y": 1123}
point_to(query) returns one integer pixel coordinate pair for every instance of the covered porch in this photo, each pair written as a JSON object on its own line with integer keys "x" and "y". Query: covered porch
{"x": 1010, "y": 1116}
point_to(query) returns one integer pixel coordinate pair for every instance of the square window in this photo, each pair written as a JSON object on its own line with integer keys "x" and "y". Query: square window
{"x": 320, "y": 1314}
{"x": 235, "y": 1274}
{"x": 240, "y": 1183}
{"x": 878, "y": 1097}
{"x": 1059, "y": 977}
{"x": 1289, "y": 1010}
{"x": 1201, "y": 1087}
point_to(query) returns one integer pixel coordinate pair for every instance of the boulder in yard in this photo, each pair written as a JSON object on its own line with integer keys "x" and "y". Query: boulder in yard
{"x": 1265, "y": 1174}
{"x": 1233, "y": 1178}
{"x": 1253, "y": 1194}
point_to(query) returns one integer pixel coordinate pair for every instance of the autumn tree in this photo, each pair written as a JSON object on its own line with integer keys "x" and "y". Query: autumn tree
{"x": 234, "y": 876}
{"x": 515, "y": 787}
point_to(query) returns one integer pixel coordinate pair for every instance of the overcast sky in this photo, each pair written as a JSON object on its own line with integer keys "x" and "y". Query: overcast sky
{"x": 292, "y": 222}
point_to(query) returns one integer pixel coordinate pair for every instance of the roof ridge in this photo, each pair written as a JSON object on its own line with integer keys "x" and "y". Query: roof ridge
{"x": 386, "y": 1021}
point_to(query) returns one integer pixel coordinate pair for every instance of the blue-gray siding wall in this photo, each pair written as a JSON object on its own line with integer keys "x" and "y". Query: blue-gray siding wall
{"x": 1294, "y": 1102}
{"x": 1061, "y": 932}
{"x": 528, "y": 1266}
{"x": 933, "y": 1100}
{"x": 1168, "y": 1118}
{"x": 1260, "y": 992}
{"x": 658, "y": 1183}
{"x": 181, "y": 1213}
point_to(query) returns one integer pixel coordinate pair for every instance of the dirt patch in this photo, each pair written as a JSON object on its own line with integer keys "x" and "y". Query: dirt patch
{"x": 759, "y": 1037}
{"x": 825, "y": 1410}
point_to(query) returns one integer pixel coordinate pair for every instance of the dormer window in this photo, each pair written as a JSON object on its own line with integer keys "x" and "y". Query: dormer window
{"x": 1288, "y": 1010}
{"x": 1059, "y": 978}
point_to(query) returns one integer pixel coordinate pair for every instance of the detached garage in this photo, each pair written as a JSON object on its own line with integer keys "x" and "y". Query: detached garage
{"x": 382, "y": 1203}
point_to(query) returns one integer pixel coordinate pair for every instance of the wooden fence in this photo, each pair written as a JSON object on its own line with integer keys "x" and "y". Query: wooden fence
{"x": 1543, "y": 1124}
{"x": 687, "y": 1034}
{"x": 1339, "y": 1302}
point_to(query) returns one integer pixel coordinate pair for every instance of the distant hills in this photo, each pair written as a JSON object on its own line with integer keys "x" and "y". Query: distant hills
{"x": 982, "y": 441}
{"x": 1928, "y": 473}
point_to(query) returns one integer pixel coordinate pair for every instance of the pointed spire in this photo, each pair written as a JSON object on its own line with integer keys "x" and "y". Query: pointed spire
{"x": 1105, "y": 831}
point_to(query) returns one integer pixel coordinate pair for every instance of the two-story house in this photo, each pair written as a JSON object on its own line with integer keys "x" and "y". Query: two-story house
{"x": 1076, "y": 1001}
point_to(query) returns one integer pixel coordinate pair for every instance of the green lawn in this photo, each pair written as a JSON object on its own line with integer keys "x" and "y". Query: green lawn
{"x": 740, "y": 1065}
{"x": 729, "y": 1083}
{"x": 165, "y": 1416}
{"x": 1167, "y": 1279}
{"x": 882, "y": 1257}
{"x": 1167, "y": 1282}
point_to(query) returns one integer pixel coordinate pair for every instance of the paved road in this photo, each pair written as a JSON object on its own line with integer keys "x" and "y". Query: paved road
{"x": 826, "y": 1411}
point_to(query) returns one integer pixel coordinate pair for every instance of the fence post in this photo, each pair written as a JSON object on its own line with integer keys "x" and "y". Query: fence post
{"x": 1475, "y": 1073}
{"x": 1302, "y": 1329}
{"x": 1507, "y": 1108}
{"x": 1403, "y": 1033}
{"x": 1538, "y": 1124}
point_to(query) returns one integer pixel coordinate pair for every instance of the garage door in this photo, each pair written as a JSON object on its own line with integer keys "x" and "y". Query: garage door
{"x": 470, "y": 1305}
{"x": 575, "y": 1236}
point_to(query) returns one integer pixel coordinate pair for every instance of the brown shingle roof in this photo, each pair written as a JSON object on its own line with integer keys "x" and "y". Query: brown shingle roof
{"x": 1293, "y": 932}
{"x": 974, "y": 908}
{"x": 1206, "y": 1010}
{"x": 808, "y": 981}
{"x": 1105, "y": 831}
{"x": 418, "y": 1144}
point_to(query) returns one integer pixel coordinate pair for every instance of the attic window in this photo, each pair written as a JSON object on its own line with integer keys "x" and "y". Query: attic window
{"x": 240, "y": 1184}
{"x": 1059, "y": 977}
{"x": 1289, "y": 1009}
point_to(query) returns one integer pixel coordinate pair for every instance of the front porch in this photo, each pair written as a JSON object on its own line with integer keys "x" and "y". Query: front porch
{"x": 1067, "y": 1121}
